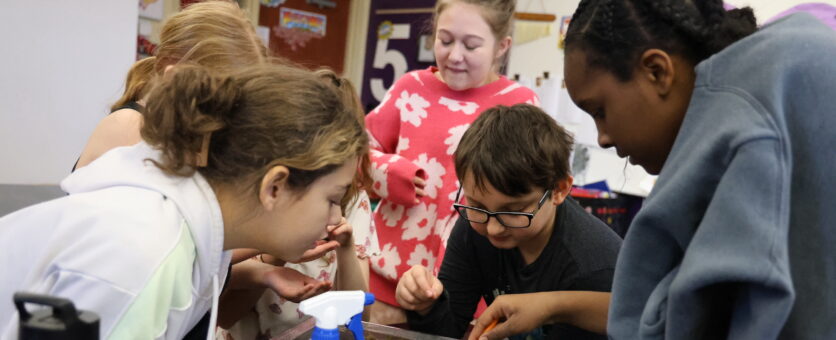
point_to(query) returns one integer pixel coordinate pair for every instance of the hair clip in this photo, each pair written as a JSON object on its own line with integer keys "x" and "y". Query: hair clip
{"x": 203, "y": 155}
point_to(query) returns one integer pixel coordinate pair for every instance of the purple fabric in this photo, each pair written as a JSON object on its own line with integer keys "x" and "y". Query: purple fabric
{"x": 824, "y": 12}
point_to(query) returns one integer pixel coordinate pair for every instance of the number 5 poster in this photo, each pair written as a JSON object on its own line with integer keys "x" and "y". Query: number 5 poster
{"x": 393, "y": 45}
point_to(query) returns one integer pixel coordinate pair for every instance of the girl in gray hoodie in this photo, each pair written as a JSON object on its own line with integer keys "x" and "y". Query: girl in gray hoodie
{"x": 736, "y": 240}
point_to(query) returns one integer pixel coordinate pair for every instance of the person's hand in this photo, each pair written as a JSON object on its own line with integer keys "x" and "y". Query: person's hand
{"x": 322, "y": 247}
{"x": 242, "y": 254}
{"x": 517, "y": 314}
{"x": 342, "y": 233}
{"x": 293, "y": 285}
{"x": 418, "y": 290}
{"x": 419, "y": 183}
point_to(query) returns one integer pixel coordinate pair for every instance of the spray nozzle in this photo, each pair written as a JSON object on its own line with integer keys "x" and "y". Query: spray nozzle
{"x": 332, "y": 309}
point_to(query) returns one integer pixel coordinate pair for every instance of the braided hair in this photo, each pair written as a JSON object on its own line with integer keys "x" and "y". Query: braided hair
{"x": 614, "y": 33}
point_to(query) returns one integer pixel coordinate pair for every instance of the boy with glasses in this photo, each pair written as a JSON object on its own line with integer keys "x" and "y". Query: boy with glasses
{"x": 542, "y": 263}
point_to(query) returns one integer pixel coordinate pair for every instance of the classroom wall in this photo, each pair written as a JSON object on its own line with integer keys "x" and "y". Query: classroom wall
{"x": 533, "y": 58}
{"x": 63, "y": 63}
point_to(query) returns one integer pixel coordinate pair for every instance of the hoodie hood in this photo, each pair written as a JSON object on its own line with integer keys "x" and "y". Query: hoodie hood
{"x": 193, "y": 196}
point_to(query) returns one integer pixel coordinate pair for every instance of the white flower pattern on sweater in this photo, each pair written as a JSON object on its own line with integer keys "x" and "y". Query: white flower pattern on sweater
{"x": 415, "y": 133}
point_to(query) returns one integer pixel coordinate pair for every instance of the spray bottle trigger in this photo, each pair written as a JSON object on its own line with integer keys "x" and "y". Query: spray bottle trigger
{"x": 356, "y": 326}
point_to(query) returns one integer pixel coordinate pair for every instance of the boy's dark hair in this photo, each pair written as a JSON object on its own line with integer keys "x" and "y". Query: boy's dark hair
{"x": 614, "y": 33}
{"x": 514, "y": 149}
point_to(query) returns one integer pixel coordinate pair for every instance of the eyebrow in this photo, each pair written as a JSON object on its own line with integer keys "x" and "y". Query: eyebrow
{"x": 343, "y": 188}
{"x": 468, "y": 36}
{"x": 504, "y": 207}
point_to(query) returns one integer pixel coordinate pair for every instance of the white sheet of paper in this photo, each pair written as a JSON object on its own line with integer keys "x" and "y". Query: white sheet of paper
{"x": 145, "y": 27}
{"x": 621, "y": 177}
{"x": 264, "y": 34}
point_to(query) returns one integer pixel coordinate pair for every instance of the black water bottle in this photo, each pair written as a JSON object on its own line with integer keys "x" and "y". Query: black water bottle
{"x": 62, "y": 321}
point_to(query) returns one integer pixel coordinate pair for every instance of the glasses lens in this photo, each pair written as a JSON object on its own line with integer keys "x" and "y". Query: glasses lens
{"x": 473, "y": 215}
{"x": 513, "y": 220}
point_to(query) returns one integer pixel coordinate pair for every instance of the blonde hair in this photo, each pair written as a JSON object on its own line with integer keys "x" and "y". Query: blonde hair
{"x": 362, "y": 179}
{"x": 138, "y": 77}
{"x": 259, "y": 117}
{"x": 215, "y": 34}
{"x": 499, "y": 14}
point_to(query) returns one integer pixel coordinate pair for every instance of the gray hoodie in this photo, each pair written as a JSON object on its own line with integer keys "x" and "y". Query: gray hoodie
{"x": 738, "y": 238}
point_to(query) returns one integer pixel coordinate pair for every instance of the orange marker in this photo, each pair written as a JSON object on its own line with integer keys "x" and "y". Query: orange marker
{"x": 490, "y": 326}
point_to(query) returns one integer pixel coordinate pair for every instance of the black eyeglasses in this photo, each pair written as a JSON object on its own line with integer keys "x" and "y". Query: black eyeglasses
{"x": 509, "y": 219}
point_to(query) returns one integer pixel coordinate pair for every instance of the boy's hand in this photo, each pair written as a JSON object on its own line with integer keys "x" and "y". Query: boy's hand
{"x": 342, "y": 233}
{"x": 517, "y": 314}
{"x": 418, "y": 289}
{"x": 293, "y": 285}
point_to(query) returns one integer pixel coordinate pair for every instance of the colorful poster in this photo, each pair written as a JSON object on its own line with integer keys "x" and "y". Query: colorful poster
{"x": 272, "y": 3}
{"x": 392, "y": 47}
{"x": 564, "y": 26}
{"x": 303, "y": 20}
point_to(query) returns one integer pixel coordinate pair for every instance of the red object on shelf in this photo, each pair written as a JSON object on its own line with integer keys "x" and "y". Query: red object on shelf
{"x": 144, "y": 47}
{"x": 579, "y": 192}
{"x": 184, "y": 3}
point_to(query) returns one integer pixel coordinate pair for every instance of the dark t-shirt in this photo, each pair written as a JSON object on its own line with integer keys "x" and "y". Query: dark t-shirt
{"x": 580, "y": 255}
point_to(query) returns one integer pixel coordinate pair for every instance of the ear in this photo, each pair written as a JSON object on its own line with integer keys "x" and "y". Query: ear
{"x": 502, "y": 46}
{"x": 168, "y": 68}
{"x": 273, "y": 185}
{"x": 562, "y": 189}
{"x": 657, "y": 68}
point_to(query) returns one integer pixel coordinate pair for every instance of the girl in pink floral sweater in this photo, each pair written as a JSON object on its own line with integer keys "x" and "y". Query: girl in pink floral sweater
{"x": 415, "y": 130}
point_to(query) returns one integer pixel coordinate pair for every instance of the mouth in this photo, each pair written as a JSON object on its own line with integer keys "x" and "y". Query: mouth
{"x": 499, "y": 239}
{"x": 621, "y": 154}
{"x": 456, "y": 70}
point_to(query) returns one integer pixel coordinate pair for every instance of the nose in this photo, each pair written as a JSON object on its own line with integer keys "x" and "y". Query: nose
{"x": 456, "y": 54}
{"x": 336, "y": 216}
{"x": 494, "y": 227}
{"x": 604, "y": 139}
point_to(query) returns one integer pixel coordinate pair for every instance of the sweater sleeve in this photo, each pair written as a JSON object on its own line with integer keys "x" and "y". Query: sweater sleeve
{"x": 392, "y": 174}
{"x": 734, "y": 279}
{"x": 460, "y": 275}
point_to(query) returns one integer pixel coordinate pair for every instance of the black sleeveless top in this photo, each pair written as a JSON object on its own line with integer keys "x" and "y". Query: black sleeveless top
{"x": 129, "y": 105}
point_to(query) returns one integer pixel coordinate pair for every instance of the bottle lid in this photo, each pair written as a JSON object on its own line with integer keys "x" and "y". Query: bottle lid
{"x": 61, "y": 321}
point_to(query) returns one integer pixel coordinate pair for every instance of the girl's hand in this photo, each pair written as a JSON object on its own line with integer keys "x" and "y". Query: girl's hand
{"x": 517, "y": 314}
{"x": 322, "y": 247}
{"x": 293, "y": 285}
{"x": 419, "y": 183}
{"x": 341, "y": 233}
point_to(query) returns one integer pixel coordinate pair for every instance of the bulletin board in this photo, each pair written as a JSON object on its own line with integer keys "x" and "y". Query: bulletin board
{"x": 395, "y": 45}
{"x": 307, "y": 34}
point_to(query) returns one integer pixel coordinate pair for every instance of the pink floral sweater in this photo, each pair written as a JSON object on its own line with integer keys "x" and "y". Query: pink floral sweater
{"x": 414, "y": 132}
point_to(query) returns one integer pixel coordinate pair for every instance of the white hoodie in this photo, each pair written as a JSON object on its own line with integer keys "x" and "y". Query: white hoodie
{"x": 126, "y": 228}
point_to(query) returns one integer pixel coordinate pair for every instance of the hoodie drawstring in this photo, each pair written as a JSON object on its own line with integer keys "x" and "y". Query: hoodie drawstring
{"x": 213, "y": 316}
